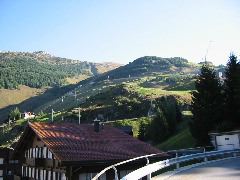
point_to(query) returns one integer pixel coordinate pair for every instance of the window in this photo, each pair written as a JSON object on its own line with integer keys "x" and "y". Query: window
{"x": 226, "y": 139}
{"x": 1, "y": 160}
{"x": 13, "y": 161}
{"x": 1, "y": 172}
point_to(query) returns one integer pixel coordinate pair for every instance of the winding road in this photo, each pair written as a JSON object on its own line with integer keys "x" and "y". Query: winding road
{"x": 228, "y": 169}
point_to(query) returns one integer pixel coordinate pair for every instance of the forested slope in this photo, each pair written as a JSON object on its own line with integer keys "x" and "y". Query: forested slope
{"x": 40, "y": 69}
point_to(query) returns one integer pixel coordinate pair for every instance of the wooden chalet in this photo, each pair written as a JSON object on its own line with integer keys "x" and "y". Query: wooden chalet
{"x": 50, "y": 151}
{"x": 7, "y": 166}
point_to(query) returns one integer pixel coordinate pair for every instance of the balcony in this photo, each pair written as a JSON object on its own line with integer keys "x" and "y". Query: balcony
{"x": 43, "y": 174}
{"x": 40, "y": 157}
{"x": 39, "y": 152}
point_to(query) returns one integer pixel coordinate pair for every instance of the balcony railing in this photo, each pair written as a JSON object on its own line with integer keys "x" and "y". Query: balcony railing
{"x": 42, "y": 174}
{"x": 39, "y": 152}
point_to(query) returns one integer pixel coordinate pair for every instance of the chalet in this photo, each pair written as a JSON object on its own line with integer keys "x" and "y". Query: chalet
{"x": 69, "y": 151}
{"x": 225, "y": 140}
{"x": 7, "y": 165}
{"x": 4, "y": 155}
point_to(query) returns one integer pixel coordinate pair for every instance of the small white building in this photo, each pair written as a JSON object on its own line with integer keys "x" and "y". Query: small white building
{"x": 28, "y": 115}
{"x": 226, "y": 140}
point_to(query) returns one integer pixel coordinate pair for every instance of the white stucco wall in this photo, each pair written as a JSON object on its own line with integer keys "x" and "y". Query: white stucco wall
{"x": 225, "y": 142}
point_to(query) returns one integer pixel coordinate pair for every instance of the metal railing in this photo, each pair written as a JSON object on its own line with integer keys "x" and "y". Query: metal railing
{"x": 148, "y": 169}
{"x": 124, "y": 162}
{"x": 175, "y": 152}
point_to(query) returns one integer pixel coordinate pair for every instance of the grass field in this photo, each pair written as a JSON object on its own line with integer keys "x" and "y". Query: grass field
{"x": 158, "y": 91}
{"x": 135, "y": 123}
{"x": 184, "y": 95}
{"x": 76, "y": 79}
{"x": 181, "y": 140}
{"x": 16, "y": 96}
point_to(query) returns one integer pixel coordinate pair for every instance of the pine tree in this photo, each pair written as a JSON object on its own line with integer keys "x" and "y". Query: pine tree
{"x": 168, "y": 106}
{"x": 206, "y": 105}
{"x": 232, "y": 92}
{"x": 159, "y": 127}
{"x": 15, "y": 114}
{"x": 143, "y": 130}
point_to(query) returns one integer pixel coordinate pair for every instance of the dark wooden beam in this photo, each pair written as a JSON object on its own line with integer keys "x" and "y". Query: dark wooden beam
{"x": 69, "y": 173}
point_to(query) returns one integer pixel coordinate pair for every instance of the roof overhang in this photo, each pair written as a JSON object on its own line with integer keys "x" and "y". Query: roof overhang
{"x": 224, "y": 133}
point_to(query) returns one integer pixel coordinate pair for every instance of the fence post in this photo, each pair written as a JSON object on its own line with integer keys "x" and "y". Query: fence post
{"x": 116, "y": 174}
{"x": 177, "y": 164}
{"x": 234, "y": 154}
{"x": 149, "y": 175}
{"x": 205, "y": 157}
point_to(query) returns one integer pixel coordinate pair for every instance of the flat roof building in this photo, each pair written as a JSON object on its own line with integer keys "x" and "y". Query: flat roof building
{"x": 225, "y": 140}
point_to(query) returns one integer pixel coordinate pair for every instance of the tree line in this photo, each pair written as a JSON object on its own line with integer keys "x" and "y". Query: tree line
{"x": 216, "y": 101}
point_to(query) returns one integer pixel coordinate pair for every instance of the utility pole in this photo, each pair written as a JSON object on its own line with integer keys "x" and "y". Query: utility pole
{"x": 52, "y": 115}
{"x": 79, "y": 115}
{"x": 75, "y": 94}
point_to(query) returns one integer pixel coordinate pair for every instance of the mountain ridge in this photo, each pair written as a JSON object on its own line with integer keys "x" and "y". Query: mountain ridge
{"x": 40, "y": 69}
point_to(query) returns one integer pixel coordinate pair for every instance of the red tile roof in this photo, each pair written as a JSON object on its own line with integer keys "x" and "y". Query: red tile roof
{"x": 72, "y": 142}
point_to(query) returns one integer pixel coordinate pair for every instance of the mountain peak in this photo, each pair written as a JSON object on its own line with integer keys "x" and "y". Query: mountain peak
{"x": 172, "y": 61}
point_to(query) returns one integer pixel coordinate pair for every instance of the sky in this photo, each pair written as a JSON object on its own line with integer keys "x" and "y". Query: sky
{"x": 122, "y": 30}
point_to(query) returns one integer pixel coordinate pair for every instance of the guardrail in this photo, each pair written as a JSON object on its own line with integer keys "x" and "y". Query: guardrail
{"x": 124, "y": 162}
{"x": 147, "y": 170}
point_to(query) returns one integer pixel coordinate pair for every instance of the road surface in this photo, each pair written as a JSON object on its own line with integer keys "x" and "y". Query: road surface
{"x": 228, "y": 169}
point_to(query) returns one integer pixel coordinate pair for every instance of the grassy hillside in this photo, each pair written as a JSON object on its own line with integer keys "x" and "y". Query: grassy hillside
{"x": 182, "y": 139}
{"x": 148, "y": 65}
{"x": 161, "y": 76}
{"x": 76, "y": 79}
{"x": 123, "y": 96}
{"x": 30, "y": 80}
{"x": 33, "y": 101}
{"x": 116, "y": 100}
{"x": 16, "y": 96}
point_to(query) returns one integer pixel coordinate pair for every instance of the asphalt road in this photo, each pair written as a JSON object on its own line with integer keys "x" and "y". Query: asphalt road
{"x": 222, "y": 170}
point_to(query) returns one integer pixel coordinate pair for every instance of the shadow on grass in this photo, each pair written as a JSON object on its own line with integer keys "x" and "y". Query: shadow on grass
{"x": 34, "y": 102}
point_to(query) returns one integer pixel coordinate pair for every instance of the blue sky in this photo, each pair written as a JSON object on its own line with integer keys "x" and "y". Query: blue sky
{"x": 122, "y": 30}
